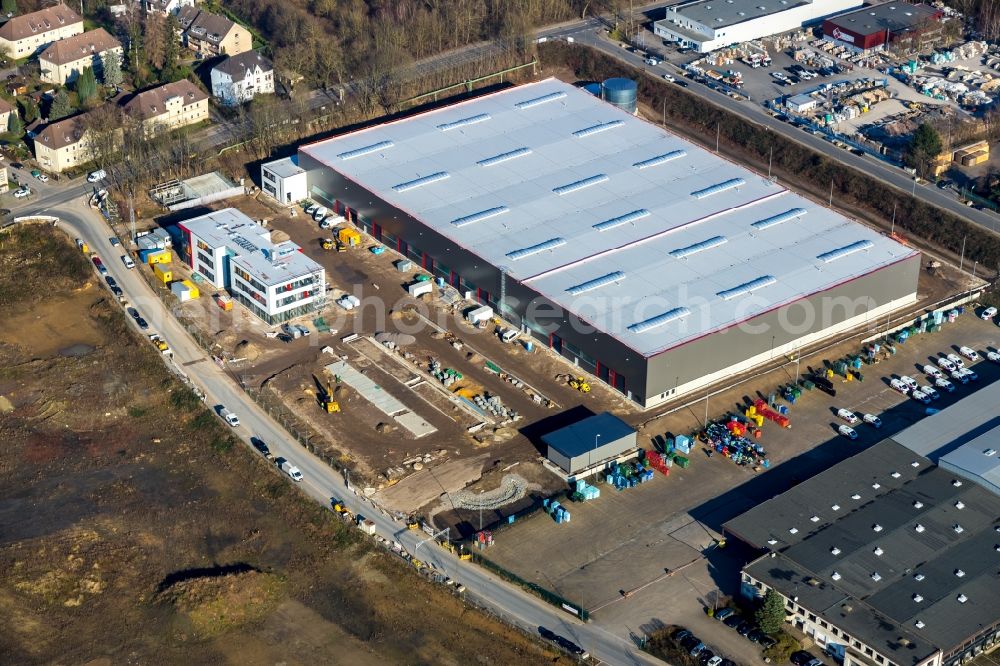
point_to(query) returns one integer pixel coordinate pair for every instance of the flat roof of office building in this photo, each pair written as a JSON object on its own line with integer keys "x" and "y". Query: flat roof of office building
{"x": 892, "y": 16}
{"x": 886, "y": 545}
{"x": 721, "y": 14}
{"x": 589, "y": 434}
{"x": 640, "y": 232}
{"x": 286, "y": 167}
{"x": 252, "y": 247}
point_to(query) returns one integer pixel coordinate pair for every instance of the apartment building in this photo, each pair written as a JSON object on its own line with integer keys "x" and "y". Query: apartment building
{"x": 6, "y": 111}
{"x": 165, "y": 6}
{"x": 212, "y": 35}
{"x": 25, "y": 35}
{"x": 261, "y": 269}
{"x": 169, "y": 106}
{"x": 242, "y": 77}
{"x": 63, "y": 61}
{"x": 62, "y": 144}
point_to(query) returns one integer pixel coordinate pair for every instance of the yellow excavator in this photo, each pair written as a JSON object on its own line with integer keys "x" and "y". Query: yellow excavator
{"x": 580, "y": 384}
{"x": 327, "y": 401}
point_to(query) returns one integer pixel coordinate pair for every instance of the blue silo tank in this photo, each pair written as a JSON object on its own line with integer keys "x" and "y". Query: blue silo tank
{"x": 593, "y": 88}
{"x": 623, "y": 93}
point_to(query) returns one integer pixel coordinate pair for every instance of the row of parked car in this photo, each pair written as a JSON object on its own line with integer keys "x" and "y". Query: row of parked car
{"x": 729, "y": 617}
{"x": 946, "y": 370}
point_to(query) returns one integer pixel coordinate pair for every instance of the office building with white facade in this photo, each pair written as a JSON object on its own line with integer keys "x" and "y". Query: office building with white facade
{"x": 284, "y": 180}
{"x": 270, "y": 276}
{"x": 707, "y": 25}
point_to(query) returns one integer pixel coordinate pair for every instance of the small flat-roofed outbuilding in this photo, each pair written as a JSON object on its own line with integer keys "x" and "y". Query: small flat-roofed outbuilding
{"x": 593, "y": 440}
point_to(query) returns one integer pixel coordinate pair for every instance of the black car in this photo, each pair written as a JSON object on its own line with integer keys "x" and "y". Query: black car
{"x": 111, "y": 281}
{"x": 266, "y": 452}
{"x": 704, "y": 656}
{"x": 690, "y": 641}
{"x": 801, "y": 658}
{"x": 727, "y": 662}
{"x": 143, "y": 325}
{"x": 733, "y": 621}
{"x": 682, "y": 84}
{"x": 681, "y": 634}
{"x": 745, "y": 628}
{"x": 767, "y": 642}
{"x": 723, "y": 613}
{"x": 756, "y": 635}
{"x": 117, "y": 291}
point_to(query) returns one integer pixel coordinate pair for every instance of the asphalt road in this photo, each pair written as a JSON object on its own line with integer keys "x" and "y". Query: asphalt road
{"x": 320, "y": 481}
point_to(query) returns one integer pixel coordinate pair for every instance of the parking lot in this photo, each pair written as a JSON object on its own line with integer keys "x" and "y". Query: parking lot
{"x": 630, "y": 541}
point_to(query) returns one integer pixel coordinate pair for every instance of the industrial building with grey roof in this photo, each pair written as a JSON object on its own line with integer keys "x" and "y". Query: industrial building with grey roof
{"x": 885, "y": 558}
{"x": 649, "y": 261}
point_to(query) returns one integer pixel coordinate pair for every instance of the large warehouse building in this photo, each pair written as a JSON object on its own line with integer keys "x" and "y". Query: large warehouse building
{"x": 707, "y": 25}
{"x": 876, "y": 26}
{"x": 655, "y": 265}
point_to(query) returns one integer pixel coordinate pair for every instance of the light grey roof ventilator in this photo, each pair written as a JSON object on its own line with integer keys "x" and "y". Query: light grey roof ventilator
{"x": 708, "y": 244}
{"x": 462, "y": 122}
{"x": 594, "y": 129}
{"x": 747, "y": 287}
{"x": 622, "y": 219}
{"x": 660, "y": 159}
{"x": 720, "y": 187}
{"x": 550, "y": 244}
{"x": 535, "y": 101}
{"x": 480, "y": 216}
{"x": 503, "y": 157}
{"x": 596, "y": 283}
{"x": 780, "y": 218}
{"x": 659, "y": 320}
{"x": 580, "y": 184}
{"x": 842, "y": 252}
{"x": 420, "y": 182}
{"x": 366, "y": 150}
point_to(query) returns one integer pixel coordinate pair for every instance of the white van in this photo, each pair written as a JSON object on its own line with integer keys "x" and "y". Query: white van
{"x": 291, "y": 470}
{"x": 95, "y": 176}
{"x": 127, "y": 260}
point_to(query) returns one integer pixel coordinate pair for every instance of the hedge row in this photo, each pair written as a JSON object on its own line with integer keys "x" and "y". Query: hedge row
{"x": 546, "y": 595}
{"x": 790, "y": 159}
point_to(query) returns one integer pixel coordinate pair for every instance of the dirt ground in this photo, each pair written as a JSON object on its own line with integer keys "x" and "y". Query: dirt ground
{"x": 134, "y": 529}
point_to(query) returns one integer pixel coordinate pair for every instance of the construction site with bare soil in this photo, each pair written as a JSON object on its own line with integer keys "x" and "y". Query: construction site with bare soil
{"x": 136, "y": 528}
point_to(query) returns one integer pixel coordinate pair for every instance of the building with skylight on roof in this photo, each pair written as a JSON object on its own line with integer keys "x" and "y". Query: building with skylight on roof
{"x": 644, "y": 259}
{"x": 885, "y": 559}
{"x": 707, "y": 25}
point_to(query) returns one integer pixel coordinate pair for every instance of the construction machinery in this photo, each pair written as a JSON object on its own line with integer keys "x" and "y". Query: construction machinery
{"x": 328, "y": 243}
{"x": 327, "y": 401}
{"x": 412, "y": 523}
{"x": 580, "y": 384}
{"x": 161, "y": 345}
{"x": 348, "y": 236}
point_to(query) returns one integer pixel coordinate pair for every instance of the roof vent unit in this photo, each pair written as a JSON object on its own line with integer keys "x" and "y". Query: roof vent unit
{"x": 960, "y": 505}
{"x": 959, "y": 573}
{"x": 835, "y": 507}
{"x": 716, "y": 189}
{"x": 420, "y": 182}
{"x": 835, "y": 576}
{"x": 595, "y": 129}
{"x": 855, "y": 496}
{"x": 714, "y": 241}
{"x": 876, "y": 527}
{"x": 835, "y": 551}
{"x": 917, "y": 598}
{"x": 780, "y": 218}
{"x": 876, "y": 577}
{"x": 962, "y": 598}
{"x": 747, "y": 287}
{"x": 596, "y": 283}
{"x": 958, "y": 528}
{"x": 997, "y": 547}
{"x": 580, "y": 184}
{"x": 660, "y": 159}
{"x": 615, "y": 222}
{"x": 660, "y": 320}
{"x": 815, "y": 519}
{"x": 956, "y": 483}
{"x": 919, "y": 624}
{"x": 917, "y": 504}
{"x": 878, "y": 551}
{"x": 550, "y": 244}
{"x": 895, "y": 475}
{"x": 480, "y": 216}
{"x": 915, "y": 463}
{"x": 919, "y": 528}
{"x": 876, "y": 486}
{"x": 462, "y": 122}
{"x": 367, "y": 150}
{"x": 919, "y": 577}
{"x": 990, "y": 452}
{"x": 842, "y": 252}
{"x": 529, "y": 103}
{"x": 793, "y": 530}
{"x": 503, "y": 157}
{"x": 772, "y": 541}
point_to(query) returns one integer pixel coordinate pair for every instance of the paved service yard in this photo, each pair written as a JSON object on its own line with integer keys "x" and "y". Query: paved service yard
{"x": 625, "y": 541}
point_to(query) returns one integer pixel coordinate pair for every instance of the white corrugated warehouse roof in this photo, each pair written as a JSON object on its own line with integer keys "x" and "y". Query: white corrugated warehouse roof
{"x": 640, "y": 232}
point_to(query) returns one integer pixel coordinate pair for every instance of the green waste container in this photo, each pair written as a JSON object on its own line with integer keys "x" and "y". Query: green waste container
{"x": 681, "y": 462}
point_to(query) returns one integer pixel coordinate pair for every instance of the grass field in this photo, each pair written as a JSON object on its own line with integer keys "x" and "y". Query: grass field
{"x": 133, "y": 528}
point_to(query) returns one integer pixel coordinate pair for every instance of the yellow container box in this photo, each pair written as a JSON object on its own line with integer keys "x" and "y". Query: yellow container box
{"x": 161, "y": 257}
{"x": 162, "y": 273}
{"x": 192, "y": 288}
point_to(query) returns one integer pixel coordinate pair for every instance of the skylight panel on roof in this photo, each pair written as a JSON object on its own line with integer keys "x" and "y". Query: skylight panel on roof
{"x": 622, "y": 219}
{"x": 550, "y": 244}
{"x": 842, "y": 252}
{"x": 580, "y": 184}
{"x": 780, "y": 218}
{"x": 660, "y": 159}
{"x": 462, "y": 122}
{"x": 596, "y": 283}
{"x": 594, "y": 129}
{"x": 747, "y": 287}
{"x": 503, "y": 157}
{"x": 659, "y": 320}
{"x": 480, "y": 216}
{"x": 366, "y": 150}
{"x": 716, "y": 189}
{"x": 551, "y": 97}
{"x": 714, "y": 241}
{"x": 420, "y": 182}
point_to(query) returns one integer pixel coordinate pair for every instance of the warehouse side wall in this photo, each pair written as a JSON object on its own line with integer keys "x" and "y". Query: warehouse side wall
{"x": 704, "y": 361}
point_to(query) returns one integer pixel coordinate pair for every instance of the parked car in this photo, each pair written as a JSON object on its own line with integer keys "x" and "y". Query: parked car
{"x": 705, "y": 656}
{"x": 95, "y": 176}
{"x": 127, "y": 260}
{"x": 767, "y": 641}
{"x": 259, "y": 444}
{"x": 697, "y": 649}
{"x": 900, "y": 386}
{"x": 229, "y": 417}
{"x": 873, "y": 421}
{"x": 921, "y": 397}
{"x": 681, "y": 634}
{"x": 993, "y": 356}
{"x": 293, "y": 472}
{"x": 745, "y": 628}
{"x": 945, "y": 364}
{"x": 910, "y": 382}
{"x": 114, "y": 241}
{"x": 956, "y": 360}
{"x": 959, "y": 377}
{"x": 930, "y": 392}
{"x": 111, "y": 281}
{"x": 969, "y": 353}
{"x": 848, "y": 432}
{"x": 22, "y": 192}
{"x": 944, "y": 384}
{"x": 756, "y": 635}
{"x": 932, "y": 371}
{"x": 723, "y": 613}
{"x": 988, "y": 313}
{"x": 714, "y": 661}
{"x": 667, "y": 77}
{"x": 969, "y": 373}
{"x": 848, "y": 415}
